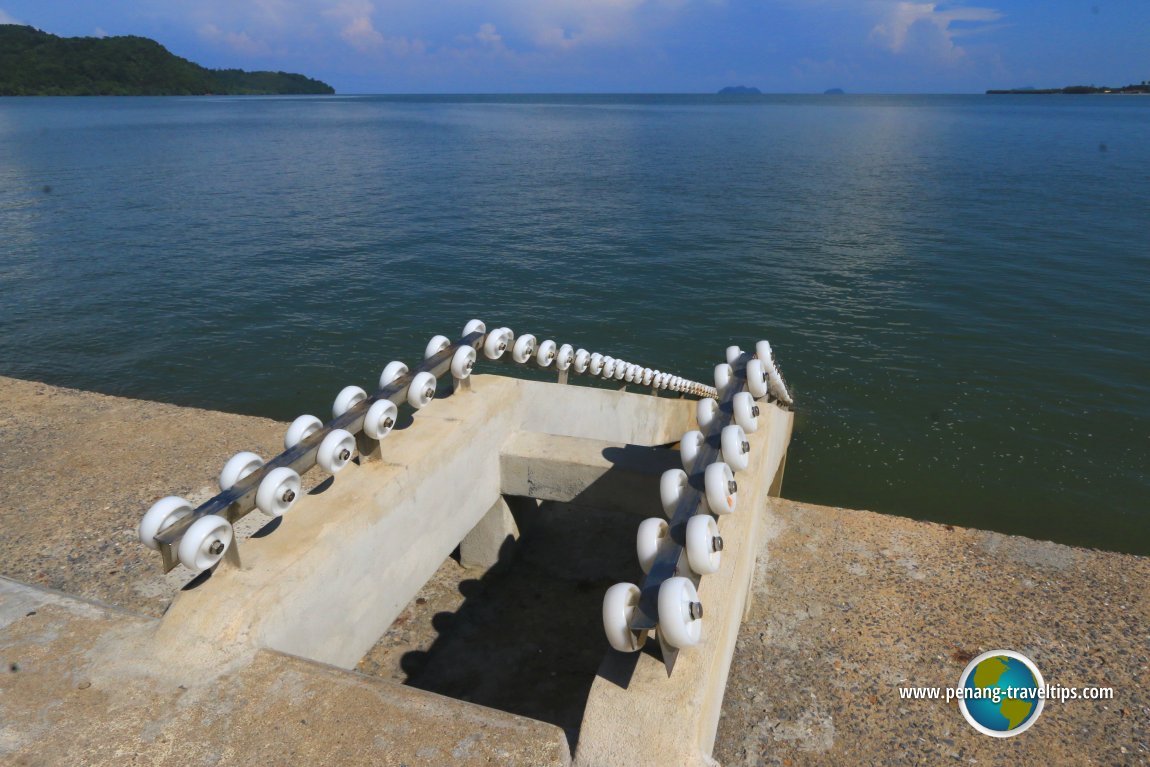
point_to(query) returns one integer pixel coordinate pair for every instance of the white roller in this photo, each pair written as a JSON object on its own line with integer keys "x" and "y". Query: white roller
{"x": 494, "y": 345}
{"x": 565, "y": 357}
{"x": 733, "y": 354}
{"x": 205, "y": 542}
{"x": 462, "y": 362}
{"x": 721, "y": 491}
{"x": 764, "y": 352}
{"x": 278, "y": 491}
{"x": 546, "y": 353}
{"x": 746, "y": 411}
{"x": 619, "y": 606}
{"x": 300, "y": 429}
{"x": 348, "y": 397}
{"x": 335, "y": 451}
{"x": 672, "y": 487}
{"x": 163, "y": 514}
{"x": 680, "y": 613}
{"x": 648, "y": 376}
{"x": 582, "y": 360}
{"x": 524, "y": 348}
{"x": 421, "y": 391}
{"x": 735, "y": 448}
{"x": 474, "y": 326}
{"x": 608, "y": 367}
{"x": 621, "y": 369}
{"x": 756, "y": 378}
{"x": 380, "y": 419}
{"x": 704, "y": 545}
{"x": 595, "y": 364}
{"x": 690, "y": 446}
{"x": 239, "y": 466}
{"x": 723, "y": 375}
{"x": 435, "y": 346}
{"x": 653, "y": 535}
{"x": 707, "y": 414}
{"x": 392, "y": 371}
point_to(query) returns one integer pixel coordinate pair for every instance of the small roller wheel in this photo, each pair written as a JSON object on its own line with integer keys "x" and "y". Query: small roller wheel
{"x": 609, "y": 367}
{"x": 756, "y": 378}
{"x": 348, "y": 397}
{"x": 565, "y": 357}
{"x": 654, "y": 534}
{"x": 524, "y": 348}
{"x": 474, "y": 326}
{"x": 704, "y": 544}
{"x": 380, "y": 419}
{"x": 494, "y": 345}
{"x": 723, "y": 375}
{"x": 733, "y": 354}
{"x": 619, "y": 604}
{"x": 595, "y": 364}
{"x": 707, "y": 414}
{"x": 462, "y": 362}
{"x": 335, "y": 451}
{"x": 278, "y": 491}
{"x": 394, "y": 370}
{"x": 205, "y": 542}
{"x": 690, "y": 446}
{"x": 546, "y": 353}
{"x": 239, "y": 466}
{"x": 435, "y": 346}
{"x": 648, "y": 376}
{"x": 621, "y": 368}
{"x": 300, "y": 429}
{"x": 680, "y": 613}
{"x": 764, "y": 352}
{"x": 735, "y": 448}
{"x": 421, "y": 391}
{"x": 581, "y": 361}
{"x": 163, "y": 514}
{"x": 672, "y": 487}
{"x": 721, "y": 490}
{"x": 746, "y": 411}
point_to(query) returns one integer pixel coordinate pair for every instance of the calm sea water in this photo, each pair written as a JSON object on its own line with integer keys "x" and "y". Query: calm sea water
{"x": 956, "y": 287}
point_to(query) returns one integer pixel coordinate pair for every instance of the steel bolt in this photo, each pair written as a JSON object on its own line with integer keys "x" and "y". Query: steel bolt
{"x": 696, "y": 610}
{"x": 755, "y": 410}
{"x": 732, "y": 487}
{"x": 717, "y": 543}
{"x": 216, "y": 548}
{"x": 344, "y": 454}
{"x": 288, "y": 496}
{"x": 429, "y": 393}
{"x": 388, "y": 422}
{"x": 746, "y": 447}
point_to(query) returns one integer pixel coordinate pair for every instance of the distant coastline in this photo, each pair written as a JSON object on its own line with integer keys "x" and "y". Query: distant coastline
{"x": 35, "y": 63}
{"x": 1142, "y": 88}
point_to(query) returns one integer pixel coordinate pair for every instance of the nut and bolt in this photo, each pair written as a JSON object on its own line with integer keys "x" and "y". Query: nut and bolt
{"x": 732, "y": 487}
{"x": 388, "y": 422}
{"x": 289, "y": 495}
{"x": 696, "y": 610}
{"x": 429, "y": 393}
{"x": 755, "y": 410}
{"x": 717, "y": 543}
{"x": 344, "y": 454}
{"x": 215, "y": 548}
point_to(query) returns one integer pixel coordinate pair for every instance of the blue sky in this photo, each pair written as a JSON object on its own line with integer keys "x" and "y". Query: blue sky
{"x": 789, "y": 46}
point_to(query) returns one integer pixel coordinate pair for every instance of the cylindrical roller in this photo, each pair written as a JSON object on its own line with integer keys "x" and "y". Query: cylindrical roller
{"x": 672, "y": 487}
{"x": 380, "y": 419}
{"x": 707, "y": 415}
{"x": 524, "y": 348}
{"x": 422, "y": 390}
{"x": 721, "y": 491}
{"x": 619, "y": 606}
{"x": 546, "y": 353}
{"x": 756, "y": 378}
{"x": 474, "y": 326}
{"x": 239, "y": 466}
{"x": 595, "y": 364}
{"x": 335, "y": 451}
{"x": 735, "y": 448}
{"x": 462, "y": 362}
{"x": 680, "y": 613}
{"x": 648, "y": 376}
{"x": 205, "y": 542}
{"x": 723, "y": 376}
{"x": 300, "y": 429}
{"x": 690, "y": 446}
{"x": 704, "y": 545}
{"x": 746, "y": 411}
{"x": 621, "y": 369}
{"x": 348, "y": 397}
{"x": 278, "y": 491}
{"x": 494, "y": 345}
{"x": 653, "y": 535}
{"x": 565, "y": 357}
{"x": 582, "y": 360}
{"x": 435, "y": 346}
{"x": 392, "y": 371}
{"x": 608, "y": 367}
{"x": 733, "y": 354}
{"x": 163, "y": 514}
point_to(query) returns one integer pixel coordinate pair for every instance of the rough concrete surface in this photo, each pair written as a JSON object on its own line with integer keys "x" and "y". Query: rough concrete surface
{"x": 849, "y": 606}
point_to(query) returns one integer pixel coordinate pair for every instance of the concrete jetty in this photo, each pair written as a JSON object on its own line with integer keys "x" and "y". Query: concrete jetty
{"x": 491, "y": 654}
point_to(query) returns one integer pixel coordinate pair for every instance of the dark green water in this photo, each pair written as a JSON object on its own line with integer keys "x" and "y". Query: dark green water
{"x": 956, "y": 287}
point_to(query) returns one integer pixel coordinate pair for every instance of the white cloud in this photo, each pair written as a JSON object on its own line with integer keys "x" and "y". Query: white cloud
{"x": 488, "y": 35}
{"x": 354, "y": 18}
{"x": 910, "y": 25}
{"x": 6, "y": 19}
{"x": 240, "y": 42}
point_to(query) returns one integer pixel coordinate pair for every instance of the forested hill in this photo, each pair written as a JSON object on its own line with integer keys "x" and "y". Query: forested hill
{"x": 35, "y": 63}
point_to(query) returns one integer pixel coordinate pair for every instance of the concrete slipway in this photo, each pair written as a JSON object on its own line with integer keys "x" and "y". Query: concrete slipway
{"x": 507, "y": 664}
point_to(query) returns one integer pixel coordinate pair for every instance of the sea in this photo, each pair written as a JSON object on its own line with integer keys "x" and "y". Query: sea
{"x": 957, "y": 288}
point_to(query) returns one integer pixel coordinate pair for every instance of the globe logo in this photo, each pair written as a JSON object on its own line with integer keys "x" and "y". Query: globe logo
{"x": 1001, "y": 693}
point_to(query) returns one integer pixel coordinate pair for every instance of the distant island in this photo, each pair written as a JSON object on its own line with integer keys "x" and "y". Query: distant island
{"x": 740, "y": 90}
{"x": 35, "y": 63}
{"x": 1074, "y": 90}
{"x": 833, "y": 92}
